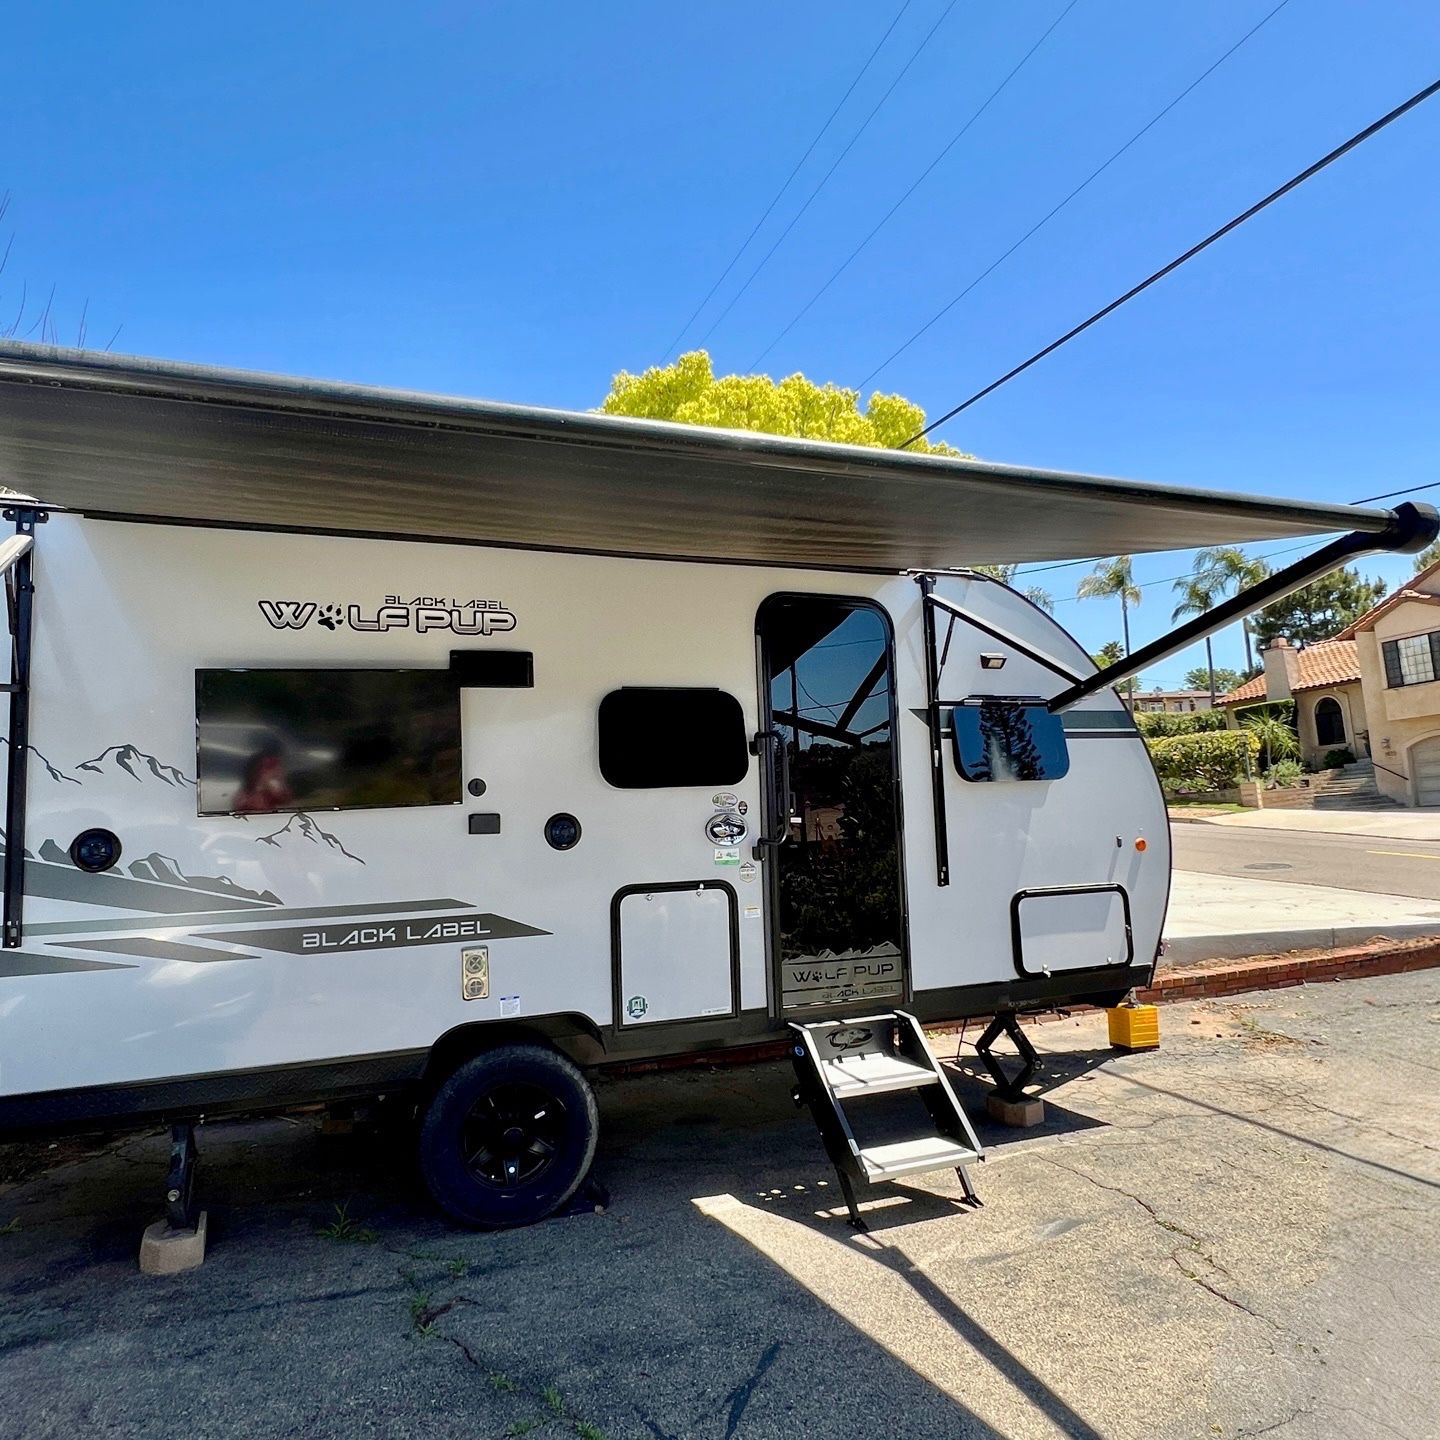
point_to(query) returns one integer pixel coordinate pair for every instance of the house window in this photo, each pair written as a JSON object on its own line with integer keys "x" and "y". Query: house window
{"x": 652, "y": 738}
{"x": 1329, "y": 722}
{"x": 1413, "y": 660}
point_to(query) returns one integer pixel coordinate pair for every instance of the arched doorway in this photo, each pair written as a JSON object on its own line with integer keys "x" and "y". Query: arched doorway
{"x": 1329, "y": 722}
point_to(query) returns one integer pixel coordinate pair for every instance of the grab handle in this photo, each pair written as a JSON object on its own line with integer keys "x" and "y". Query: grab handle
{"x": 779, "y": 808}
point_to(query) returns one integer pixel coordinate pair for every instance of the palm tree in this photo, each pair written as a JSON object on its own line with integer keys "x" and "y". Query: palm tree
{"x": 1200, "y": 592}
{"x": 1108, "y": 579}
{"x": 1277, "y": 740}
{"x": 1231, "y": 570}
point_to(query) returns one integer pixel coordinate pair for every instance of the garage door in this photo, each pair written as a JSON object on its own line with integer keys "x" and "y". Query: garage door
{"x": 1425, "y": 766}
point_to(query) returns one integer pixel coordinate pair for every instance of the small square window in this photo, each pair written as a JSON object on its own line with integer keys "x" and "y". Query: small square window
{"x": 1009, "y": 740}
{"x": 656, "y": 738}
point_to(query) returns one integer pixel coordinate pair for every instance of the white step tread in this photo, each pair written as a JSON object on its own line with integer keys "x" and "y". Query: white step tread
{"x": 851, "y": 1076}
{"x": 914, "y": 1157}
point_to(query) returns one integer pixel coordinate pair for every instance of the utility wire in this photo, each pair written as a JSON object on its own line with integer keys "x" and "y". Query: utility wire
{"x": 1391, "y": 494}
{"x": 1359, "y": 138}
{"x": 789, "y": 179}
{"x": 1083, "y": 185}
{"x": 824, "y": 179}
{"x": 920, "y": 180}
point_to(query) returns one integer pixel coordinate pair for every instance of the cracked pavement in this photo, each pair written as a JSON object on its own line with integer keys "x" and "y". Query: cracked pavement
{"x": 1235, "y": 1236}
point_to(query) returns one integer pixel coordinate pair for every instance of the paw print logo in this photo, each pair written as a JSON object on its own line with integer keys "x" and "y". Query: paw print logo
{"x": 329, "y": 617}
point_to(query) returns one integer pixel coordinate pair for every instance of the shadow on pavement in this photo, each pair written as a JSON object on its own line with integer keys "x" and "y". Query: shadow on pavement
{"x": 652, "y": 1319}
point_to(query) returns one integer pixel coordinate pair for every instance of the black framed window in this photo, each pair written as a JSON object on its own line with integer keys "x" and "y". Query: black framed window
{"x": 1412, "y": 660}
{"x": 274, "y": 741}
{"x": 653, "y": 738}
{"x": 1329, "y": 722}
{"x": 1009, "y": 740}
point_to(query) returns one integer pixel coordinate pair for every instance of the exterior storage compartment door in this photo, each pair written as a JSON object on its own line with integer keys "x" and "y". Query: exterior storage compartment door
{"x": 677, "y": 953}
{"x": 1071, "y": 927}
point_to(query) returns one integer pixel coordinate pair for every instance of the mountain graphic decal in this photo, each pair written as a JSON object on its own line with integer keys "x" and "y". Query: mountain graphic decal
{"x": 135, "y": 763}
{"x": 168, "y": 871}
{"x": 53, "y": 771}
{"x": 301, "y": 826}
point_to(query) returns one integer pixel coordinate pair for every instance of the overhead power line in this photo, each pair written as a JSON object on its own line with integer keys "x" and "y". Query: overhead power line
{"x": 789, "y": 179}
{"x": 1355, "y": 140}
{"x": 919, "y": 180}
{"x": 824, "y": 179}
{"x": 1391, "y": 494}
{"x": 1085, "y": 184}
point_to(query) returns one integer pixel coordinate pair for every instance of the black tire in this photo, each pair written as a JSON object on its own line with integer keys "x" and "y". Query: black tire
{"x": 508, "y": 1137}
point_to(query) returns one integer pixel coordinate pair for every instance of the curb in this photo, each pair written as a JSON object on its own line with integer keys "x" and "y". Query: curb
{"x": 1189, "y": 950}
{"x": 1384, "y": 956}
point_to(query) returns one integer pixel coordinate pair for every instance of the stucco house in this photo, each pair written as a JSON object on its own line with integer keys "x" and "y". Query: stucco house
{"x": 1167, "y": 702}
{"x": 1398, "y": 644}
{"x": 1325, "y": 682}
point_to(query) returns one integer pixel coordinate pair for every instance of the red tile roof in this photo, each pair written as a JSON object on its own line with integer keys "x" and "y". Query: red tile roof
{"x": 1330, "y": 662}
{"x": 1397, "y": 597}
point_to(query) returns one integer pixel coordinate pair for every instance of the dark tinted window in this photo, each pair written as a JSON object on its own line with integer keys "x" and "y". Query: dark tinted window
{"x": 1009, "y": 740}
{"x": 284, "y": 740}
{"x": 651, "y": 738}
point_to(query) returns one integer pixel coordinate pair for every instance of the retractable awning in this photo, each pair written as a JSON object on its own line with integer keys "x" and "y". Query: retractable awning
{"x": 123, "y": 437}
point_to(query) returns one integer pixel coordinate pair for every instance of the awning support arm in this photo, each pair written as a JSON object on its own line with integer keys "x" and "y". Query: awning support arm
{"x": 1412, "y": 528}
{"x": 15, "y": 561}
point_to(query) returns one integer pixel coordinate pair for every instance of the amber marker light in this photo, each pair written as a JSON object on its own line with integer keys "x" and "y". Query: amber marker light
{"x": 1141, "y": 846}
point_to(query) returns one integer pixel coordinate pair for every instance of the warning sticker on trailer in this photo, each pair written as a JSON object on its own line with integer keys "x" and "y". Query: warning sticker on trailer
{"x": 729, "y": 855}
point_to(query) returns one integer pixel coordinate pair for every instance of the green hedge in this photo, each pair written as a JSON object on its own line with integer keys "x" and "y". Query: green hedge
{"x": 1196, "y": 722}
{"x": 1214, "y": 760}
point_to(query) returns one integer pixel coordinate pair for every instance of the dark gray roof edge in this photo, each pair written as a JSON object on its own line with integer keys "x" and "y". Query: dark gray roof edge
{"x": 63, "y": 366}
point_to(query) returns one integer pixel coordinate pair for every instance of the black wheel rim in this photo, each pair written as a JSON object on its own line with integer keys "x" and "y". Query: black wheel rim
{"x": 512, "y": 1134}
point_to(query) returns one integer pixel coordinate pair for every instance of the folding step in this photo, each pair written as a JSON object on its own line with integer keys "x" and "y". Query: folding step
{"x": 840, "y": 1062}
{"x": 914, "y": 1157}
{"x": 875, "y": 1075}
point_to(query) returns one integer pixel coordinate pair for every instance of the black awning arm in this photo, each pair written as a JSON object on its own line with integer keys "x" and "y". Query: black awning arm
{"x": 996, "y": 632}
{"x": 1413, "y": 527}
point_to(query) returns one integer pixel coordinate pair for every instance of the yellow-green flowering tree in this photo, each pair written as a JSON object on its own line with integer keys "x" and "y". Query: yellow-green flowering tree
{"x": 688, "y": 392}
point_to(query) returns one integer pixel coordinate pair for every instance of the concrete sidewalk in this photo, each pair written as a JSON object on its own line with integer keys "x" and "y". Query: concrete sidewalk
{"x": 1214, "y": 917}
{"x": 1411, "y": 824}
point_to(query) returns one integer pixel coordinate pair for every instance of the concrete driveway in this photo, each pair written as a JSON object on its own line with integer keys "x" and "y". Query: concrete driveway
{"x": 1234, "y": 1236}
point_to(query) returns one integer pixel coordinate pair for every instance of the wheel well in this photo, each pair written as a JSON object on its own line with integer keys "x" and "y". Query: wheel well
{"x": 574, "y": 1036}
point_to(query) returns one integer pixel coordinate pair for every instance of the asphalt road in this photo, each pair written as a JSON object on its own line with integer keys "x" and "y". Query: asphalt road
{"x": 1348, "y": 862}
{"x": 1233, "y": 1236}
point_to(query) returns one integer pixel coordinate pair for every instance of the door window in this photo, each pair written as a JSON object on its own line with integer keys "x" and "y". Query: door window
{"x": 831, "y": 697}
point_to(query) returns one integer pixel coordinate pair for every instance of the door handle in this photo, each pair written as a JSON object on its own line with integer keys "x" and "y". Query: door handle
{"x": 779, "y": 817}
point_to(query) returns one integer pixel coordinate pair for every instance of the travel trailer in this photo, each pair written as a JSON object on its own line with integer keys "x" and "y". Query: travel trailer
{"x": 365, "y": 742}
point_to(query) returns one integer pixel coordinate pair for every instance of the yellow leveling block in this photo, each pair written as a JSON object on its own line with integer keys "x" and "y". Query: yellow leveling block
{"x": 1135, "y": 1027}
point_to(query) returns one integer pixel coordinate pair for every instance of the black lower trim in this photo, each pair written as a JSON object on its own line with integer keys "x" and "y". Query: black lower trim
{"x": 276, "y": 1087}
{"x": 147, "y": 1102}
{"x": 967, "y": 1002}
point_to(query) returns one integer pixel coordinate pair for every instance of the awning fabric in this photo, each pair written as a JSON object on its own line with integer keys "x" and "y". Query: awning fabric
{"x": 124, "y": 437}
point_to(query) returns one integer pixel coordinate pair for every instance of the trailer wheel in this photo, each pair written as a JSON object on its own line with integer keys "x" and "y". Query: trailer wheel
{"x": 508, "y": 1136}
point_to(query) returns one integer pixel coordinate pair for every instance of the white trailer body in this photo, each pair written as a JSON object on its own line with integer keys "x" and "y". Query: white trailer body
{"x": 622, "y": 805}
{"x": 337, "y": 938}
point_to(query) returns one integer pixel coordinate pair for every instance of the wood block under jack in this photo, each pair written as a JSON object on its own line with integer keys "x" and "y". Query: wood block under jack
{"x": 1021, "y": 1111}
{"x": 166, "y": 1251}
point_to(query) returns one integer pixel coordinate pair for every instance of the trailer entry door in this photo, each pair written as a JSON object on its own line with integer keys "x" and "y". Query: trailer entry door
{"x": 831, "y": 841}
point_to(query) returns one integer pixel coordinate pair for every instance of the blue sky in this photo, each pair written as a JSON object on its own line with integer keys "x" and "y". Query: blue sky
{"x": 517, "y": 200}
